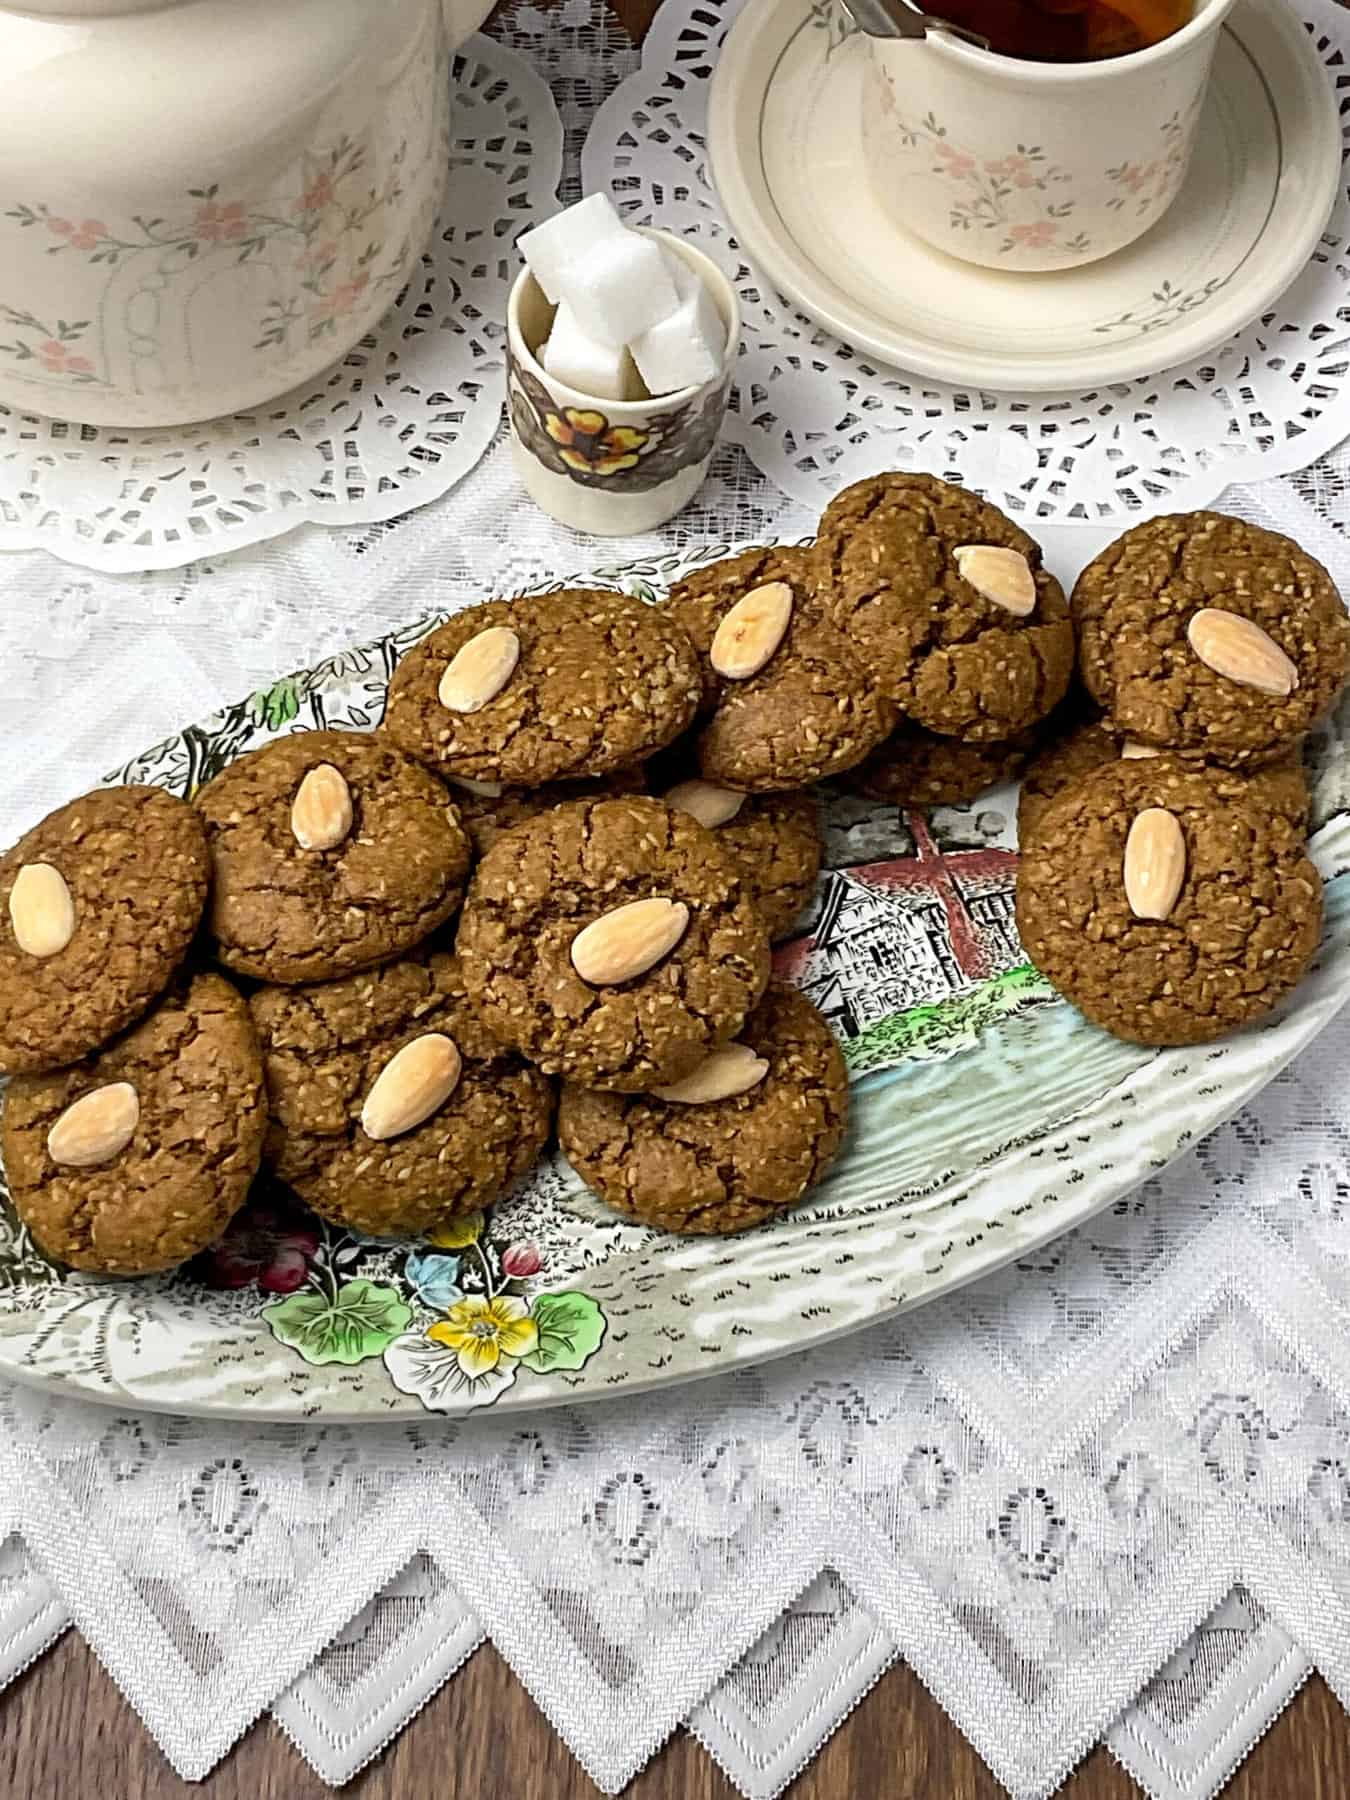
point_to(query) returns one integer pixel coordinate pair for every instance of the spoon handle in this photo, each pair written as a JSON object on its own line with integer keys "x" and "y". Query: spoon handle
{"x": 886, "y": 18}
{"x": 900, "y": 19}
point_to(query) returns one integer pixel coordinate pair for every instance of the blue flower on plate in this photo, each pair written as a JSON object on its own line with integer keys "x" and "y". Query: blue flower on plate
{"x": 434, "y": 1279}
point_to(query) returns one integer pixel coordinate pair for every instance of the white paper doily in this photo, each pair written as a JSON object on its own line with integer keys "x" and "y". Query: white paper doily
{"x": 407, "y": 413}
{"x": 813, "y": 414}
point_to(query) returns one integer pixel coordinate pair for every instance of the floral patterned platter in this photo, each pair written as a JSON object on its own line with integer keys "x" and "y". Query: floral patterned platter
{"x": 784, "y": 141}
{"x": 988, "y": 1117}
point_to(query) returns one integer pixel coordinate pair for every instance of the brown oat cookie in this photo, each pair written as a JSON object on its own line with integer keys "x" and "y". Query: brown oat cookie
{"x": 1086, "y": 746}
{"x": 545, "y": 882}
{"x": 811, "y": 710}
{"x": 1134, "y": 608}
{"x": 486, "y": 815}
{"x": 1282, "y": 785}
{"x": 134, "y": 864}
{"x": 197, "y": 1074}
{"x": 952, "y": 660}
{"x": 323, "y": 1049}
{"x": 601, "y": 682}
{"x": 775, "y": 842}
{"x": 775, "y": 839}
{"x": 915, "y": 767}
{"x": 727, "y": 1164}
{"x": 281, "y": 912}
{"x": 1237, "y": 938}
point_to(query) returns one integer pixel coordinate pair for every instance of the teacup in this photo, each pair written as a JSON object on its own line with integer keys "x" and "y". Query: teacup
{"x": 611, "y": 467}
{"x": 1027, "y": 165}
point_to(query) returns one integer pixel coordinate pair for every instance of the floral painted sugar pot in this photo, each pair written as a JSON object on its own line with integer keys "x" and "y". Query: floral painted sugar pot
{"x": 204, "y": 203}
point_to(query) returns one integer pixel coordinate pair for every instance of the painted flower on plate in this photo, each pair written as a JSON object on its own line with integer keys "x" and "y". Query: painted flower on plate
{"x": 434, "y": 1279}
{"x": 458, "y": 1233}
{"x": 521, "y": 1260}
{"x": 481, "y": 1332}
{"x": 262, "y": 1246}
{"x": 423, "y": 1365}
{"x": 1035, "y": 235}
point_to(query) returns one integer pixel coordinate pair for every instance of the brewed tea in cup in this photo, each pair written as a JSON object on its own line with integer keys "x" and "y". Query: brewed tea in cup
{"x": 1070, "y": 30}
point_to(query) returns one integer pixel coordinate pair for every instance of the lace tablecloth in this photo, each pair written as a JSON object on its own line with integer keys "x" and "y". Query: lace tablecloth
{"x": 1104, "y": 1495}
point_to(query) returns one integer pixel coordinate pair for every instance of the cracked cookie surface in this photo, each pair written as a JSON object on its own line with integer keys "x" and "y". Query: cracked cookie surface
{"x": 283, "y": 913}
{"x": 486, "y": 816}
{"x": 1241, "y": 932}
{"x": 885, "y": 569}
{"x": 809, "y": 712}
{"x": 602, "y": 681}
{"x": 135, "y": 862}
{"x": 1282, "y": 785}
{"x": 729, "y": 1164}
{"x": 775, "y": 840}
{"x": 323, "y": 1049}
{"x": 195, "y": 1066}
{"x": 1133, "y": 606}
{"x": 547, "y": 880}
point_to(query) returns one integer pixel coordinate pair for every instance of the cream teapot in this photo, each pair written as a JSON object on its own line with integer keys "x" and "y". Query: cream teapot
{"x": 204, "y": 203}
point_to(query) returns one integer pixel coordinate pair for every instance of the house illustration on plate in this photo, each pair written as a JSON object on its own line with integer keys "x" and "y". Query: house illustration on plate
{"x": 908, "y": 932}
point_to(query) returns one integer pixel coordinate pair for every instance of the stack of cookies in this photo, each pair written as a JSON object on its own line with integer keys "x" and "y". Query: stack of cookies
{"x": 618, "y": 939}
{"x": 288, "y": 973}
{"x": 134, "y": 1121}
{"x": 1164, "y": 887}
{"x": 367, "y": 961}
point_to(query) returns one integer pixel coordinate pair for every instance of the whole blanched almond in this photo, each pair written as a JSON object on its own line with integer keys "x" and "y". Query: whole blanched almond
{"x": 1003, "y": 576}
{"x": 415, "y": 1081}
{"x": 732, "y": 1070}
{"x": 1238, "y": 649}
{"x": 321, "y": 813}
{"x": 1155, "y": 863}
{"x": 625, "y": 943}
{"x": 479, "y": 670}
{"x": 481, "y": 790}
{"x": 41, "y": 910}
{"x": 1130, "y": 751}
{"x": 96, "y": 1127}
{"x": 751, "y": 631}
{"x": 705, "y": 801}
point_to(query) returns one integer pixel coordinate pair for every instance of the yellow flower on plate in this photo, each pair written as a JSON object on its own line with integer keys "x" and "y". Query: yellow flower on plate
{"x": 458, "y": 1234}
{"x": 482, "y": 1331}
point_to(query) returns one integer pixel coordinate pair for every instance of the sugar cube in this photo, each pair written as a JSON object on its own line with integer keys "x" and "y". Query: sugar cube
{"x": 573, "y": 356}
{"x": 619, "y": 288}
{"x": 684, "y": 349}
{"x": 566, "y": 237}
{"x": 686, "y": 282}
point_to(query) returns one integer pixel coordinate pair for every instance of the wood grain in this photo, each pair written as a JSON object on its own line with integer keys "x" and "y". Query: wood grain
{"x": 67, "y": 1730}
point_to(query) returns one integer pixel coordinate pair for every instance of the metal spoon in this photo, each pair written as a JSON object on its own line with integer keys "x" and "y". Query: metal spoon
{"x": 899, "y": 19}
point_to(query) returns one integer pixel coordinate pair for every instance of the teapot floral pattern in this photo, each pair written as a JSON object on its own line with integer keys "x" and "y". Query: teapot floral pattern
{"x": 331, "y": 235}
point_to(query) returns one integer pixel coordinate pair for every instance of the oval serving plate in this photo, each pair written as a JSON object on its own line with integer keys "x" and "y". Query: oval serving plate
{"x": 988, "y": 1117}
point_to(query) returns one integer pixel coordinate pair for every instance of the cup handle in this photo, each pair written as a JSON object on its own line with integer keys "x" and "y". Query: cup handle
{"x": 463, "y": 18}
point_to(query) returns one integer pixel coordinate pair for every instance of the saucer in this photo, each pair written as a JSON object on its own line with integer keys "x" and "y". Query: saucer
{"x": 784, "y": 141}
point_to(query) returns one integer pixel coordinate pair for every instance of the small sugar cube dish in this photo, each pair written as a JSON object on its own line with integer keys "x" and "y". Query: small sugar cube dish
{"x": 615, "y": 467}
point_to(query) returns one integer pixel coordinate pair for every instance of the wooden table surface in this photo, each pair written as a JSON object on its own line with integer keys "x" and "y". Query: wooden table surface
{"x": 65, "y": 1730}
